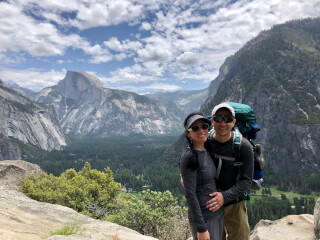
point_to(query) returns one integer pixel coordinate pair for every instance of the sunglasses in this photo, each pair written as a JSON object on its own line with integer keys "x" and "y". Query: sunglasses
{"x": 226, "y": 119}
{"x": 196, "y": 128}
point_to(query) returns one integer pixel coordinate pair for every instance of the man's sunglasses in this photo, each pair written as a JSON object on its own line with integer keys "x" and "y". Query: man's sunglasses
{"x": 196, "y": 128}
{"x": 226, "y": 119}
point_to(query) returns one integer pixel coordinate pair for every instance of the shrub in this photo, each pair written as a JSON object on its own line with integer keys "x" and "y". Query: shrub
{"x": 152, "y": 213}
{"x": 88, "y": 191}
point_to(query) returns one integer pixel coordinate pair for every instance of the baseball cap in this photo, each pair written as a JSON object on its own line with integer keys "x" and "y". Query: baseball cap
{"x": 223, "y": 105}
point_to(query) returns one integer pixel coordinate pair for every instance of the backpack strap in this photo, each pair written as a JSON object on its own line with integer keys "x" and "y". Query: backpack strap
{"x": 237, "y": 138}
{"x": 220, "y": 157}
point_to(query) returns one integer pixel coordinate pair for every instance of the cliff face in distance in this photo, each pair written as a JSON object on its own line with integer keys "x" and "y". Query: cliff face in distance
{"x": 185, "y": 101}
{"x": 278, "y": 74}
{"x": 28, "y": 122}
{"x": 85, "y": 106}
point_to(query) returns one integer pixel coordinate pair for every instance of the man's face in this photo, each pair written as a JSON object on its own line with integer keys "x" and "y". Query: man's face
{"x": 223, "y": 129}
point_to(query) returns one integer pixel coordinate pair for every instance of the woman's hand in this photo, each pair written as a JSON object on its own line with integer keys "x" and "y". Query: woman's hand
{"x": 203, "y": 236}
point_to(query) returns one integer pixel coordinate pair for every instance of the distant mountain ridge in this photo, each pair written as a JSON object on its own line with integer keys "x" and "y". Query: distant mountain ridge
{"x": 186, "y": 101}
{"x": 23, "y": 91}
{"x": 85, "y": 106}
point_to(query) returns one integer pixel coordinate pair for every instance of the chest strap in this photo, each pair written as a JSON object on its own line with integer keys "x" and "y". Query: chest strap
{"x": 220, "y": 157}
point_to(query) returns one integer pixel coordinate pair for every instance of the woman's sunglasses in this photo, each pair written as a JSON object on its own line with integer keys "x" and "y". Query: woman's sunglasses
{"x": 196, "y": 128}
{"x": 220, "y": 118}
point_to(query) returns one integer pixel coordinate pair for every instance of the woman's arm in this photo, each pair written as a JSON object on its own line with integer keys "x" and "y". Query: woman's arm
{"x": 189, "y": 177}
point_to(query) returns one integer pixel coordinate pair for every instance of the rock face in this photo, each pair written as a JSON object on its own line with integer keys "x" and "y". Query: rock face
{"x": 22, "y": 218}
{"x": 317, "y": 219}
{"x": 28, "y": 122}
{"x": 278, "y": 74}
{"x": 292, "y": 227}
{"x": 13, "y": 171}
{"x": 85, "y": 106}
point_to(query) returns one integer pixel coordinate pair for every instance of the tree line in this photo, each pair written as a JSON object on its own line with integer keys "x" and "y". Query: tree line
{"x": 272, "y": 208}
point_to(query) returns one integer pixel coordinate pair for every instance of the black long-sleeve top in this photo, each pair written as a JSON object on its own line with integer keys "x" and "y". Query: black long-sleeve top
{"x": 233, "y": 180}
{"x": 198, "y": 174}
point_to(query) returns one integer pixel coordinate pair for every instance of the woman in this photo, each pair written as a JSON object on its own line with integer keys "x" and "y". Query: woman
{"x": 198, "y": 172}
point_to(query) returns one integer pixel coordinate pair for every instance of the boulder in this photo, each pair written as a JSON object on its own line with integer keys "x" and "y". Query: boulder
{"x": 292, "y": 227}
{"x": 13, "y": 171}
{"x": 317, "y": 219}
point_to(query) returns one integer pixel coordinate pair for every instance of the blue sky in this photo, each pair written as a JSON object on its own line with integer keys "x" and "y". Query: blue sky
{"x": 139, "y": 46}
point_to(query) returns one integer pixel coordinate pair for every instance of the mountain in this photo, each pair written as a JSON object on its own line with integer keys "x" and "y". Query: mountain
{"x": 278, "y": 74}
{"x": 27, "y": 121}
{"x": 23, "y": 91}
{"x": 85, "y": 107}
{"x": 186, "y": 101}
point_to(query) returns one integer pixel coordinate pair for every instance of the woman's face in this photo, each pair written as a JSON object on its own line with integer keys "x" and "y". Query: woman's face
{"x": 199, "y": 136}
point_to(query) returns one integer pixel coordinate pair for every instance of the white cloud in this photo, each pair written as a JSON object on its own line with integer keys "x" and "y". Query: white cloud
{"x": 33, "y": 79}
{"x": 124, "y": 46}
{"x": 145, "y": 26}
{"x": 183, "y": 39}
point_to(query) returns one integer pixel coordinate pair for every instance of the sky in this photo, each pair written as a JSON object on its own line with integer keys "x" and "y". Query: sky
{"x": 141, "y": 46}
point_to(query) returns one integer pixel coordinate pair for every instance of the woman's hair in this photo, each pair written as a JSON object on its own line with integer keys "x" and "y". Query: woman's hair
{"x": 190, "y": 144}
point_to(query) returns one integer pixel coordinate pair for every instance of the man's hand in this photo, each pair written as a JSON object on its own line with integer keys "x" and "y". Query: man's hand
{"x": 216, "y": 202}
{"x": 203, "y": 236}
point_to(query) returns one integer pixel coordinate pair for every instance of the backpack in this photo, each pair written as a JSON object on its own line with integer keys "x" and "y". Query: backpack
{"x": 246, "y": 126}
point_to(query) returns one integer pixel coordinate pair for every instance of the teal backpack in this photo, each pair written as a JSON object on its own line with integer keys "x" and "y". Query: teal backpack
{"x": 246, "y": 126}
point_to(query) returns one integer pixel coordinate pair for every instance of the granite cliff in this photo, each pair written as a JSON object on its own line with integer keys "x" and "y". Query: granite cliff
{"x": 84, "y": 106}
{"x": 26, "y": 121}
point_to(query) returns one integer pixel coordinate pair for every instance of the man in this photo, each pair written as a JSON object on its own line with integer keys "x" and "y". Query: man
{"x": 233, "y": 179}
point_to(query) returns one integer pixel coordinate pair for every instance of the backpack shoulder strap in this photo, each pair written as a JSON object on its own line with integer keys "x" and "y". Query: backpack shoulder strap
{"x": 237, "y": 138}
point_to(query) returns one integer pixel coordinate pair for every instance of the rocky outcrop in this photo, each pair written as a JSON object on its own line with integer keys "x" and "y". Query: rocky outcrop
{"x": 292, "y": 227}
{"x": 28, "y": 122}
{"x": 13, "y": 171}
{"x": 317, "y": 219}
{"x": 85, "y": 106}
{"x": 22, "y": 218}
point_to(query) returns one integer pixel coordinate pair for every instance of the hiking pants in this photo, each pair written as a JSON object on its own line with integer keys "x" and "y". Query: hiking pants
{"x": 236, "y": 226}
{"x": 214, "y": 226}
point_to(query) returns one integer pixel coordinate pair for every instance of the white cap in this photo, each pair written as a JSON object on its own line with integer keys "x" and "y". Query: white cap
{"x": 223, "y": 105}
